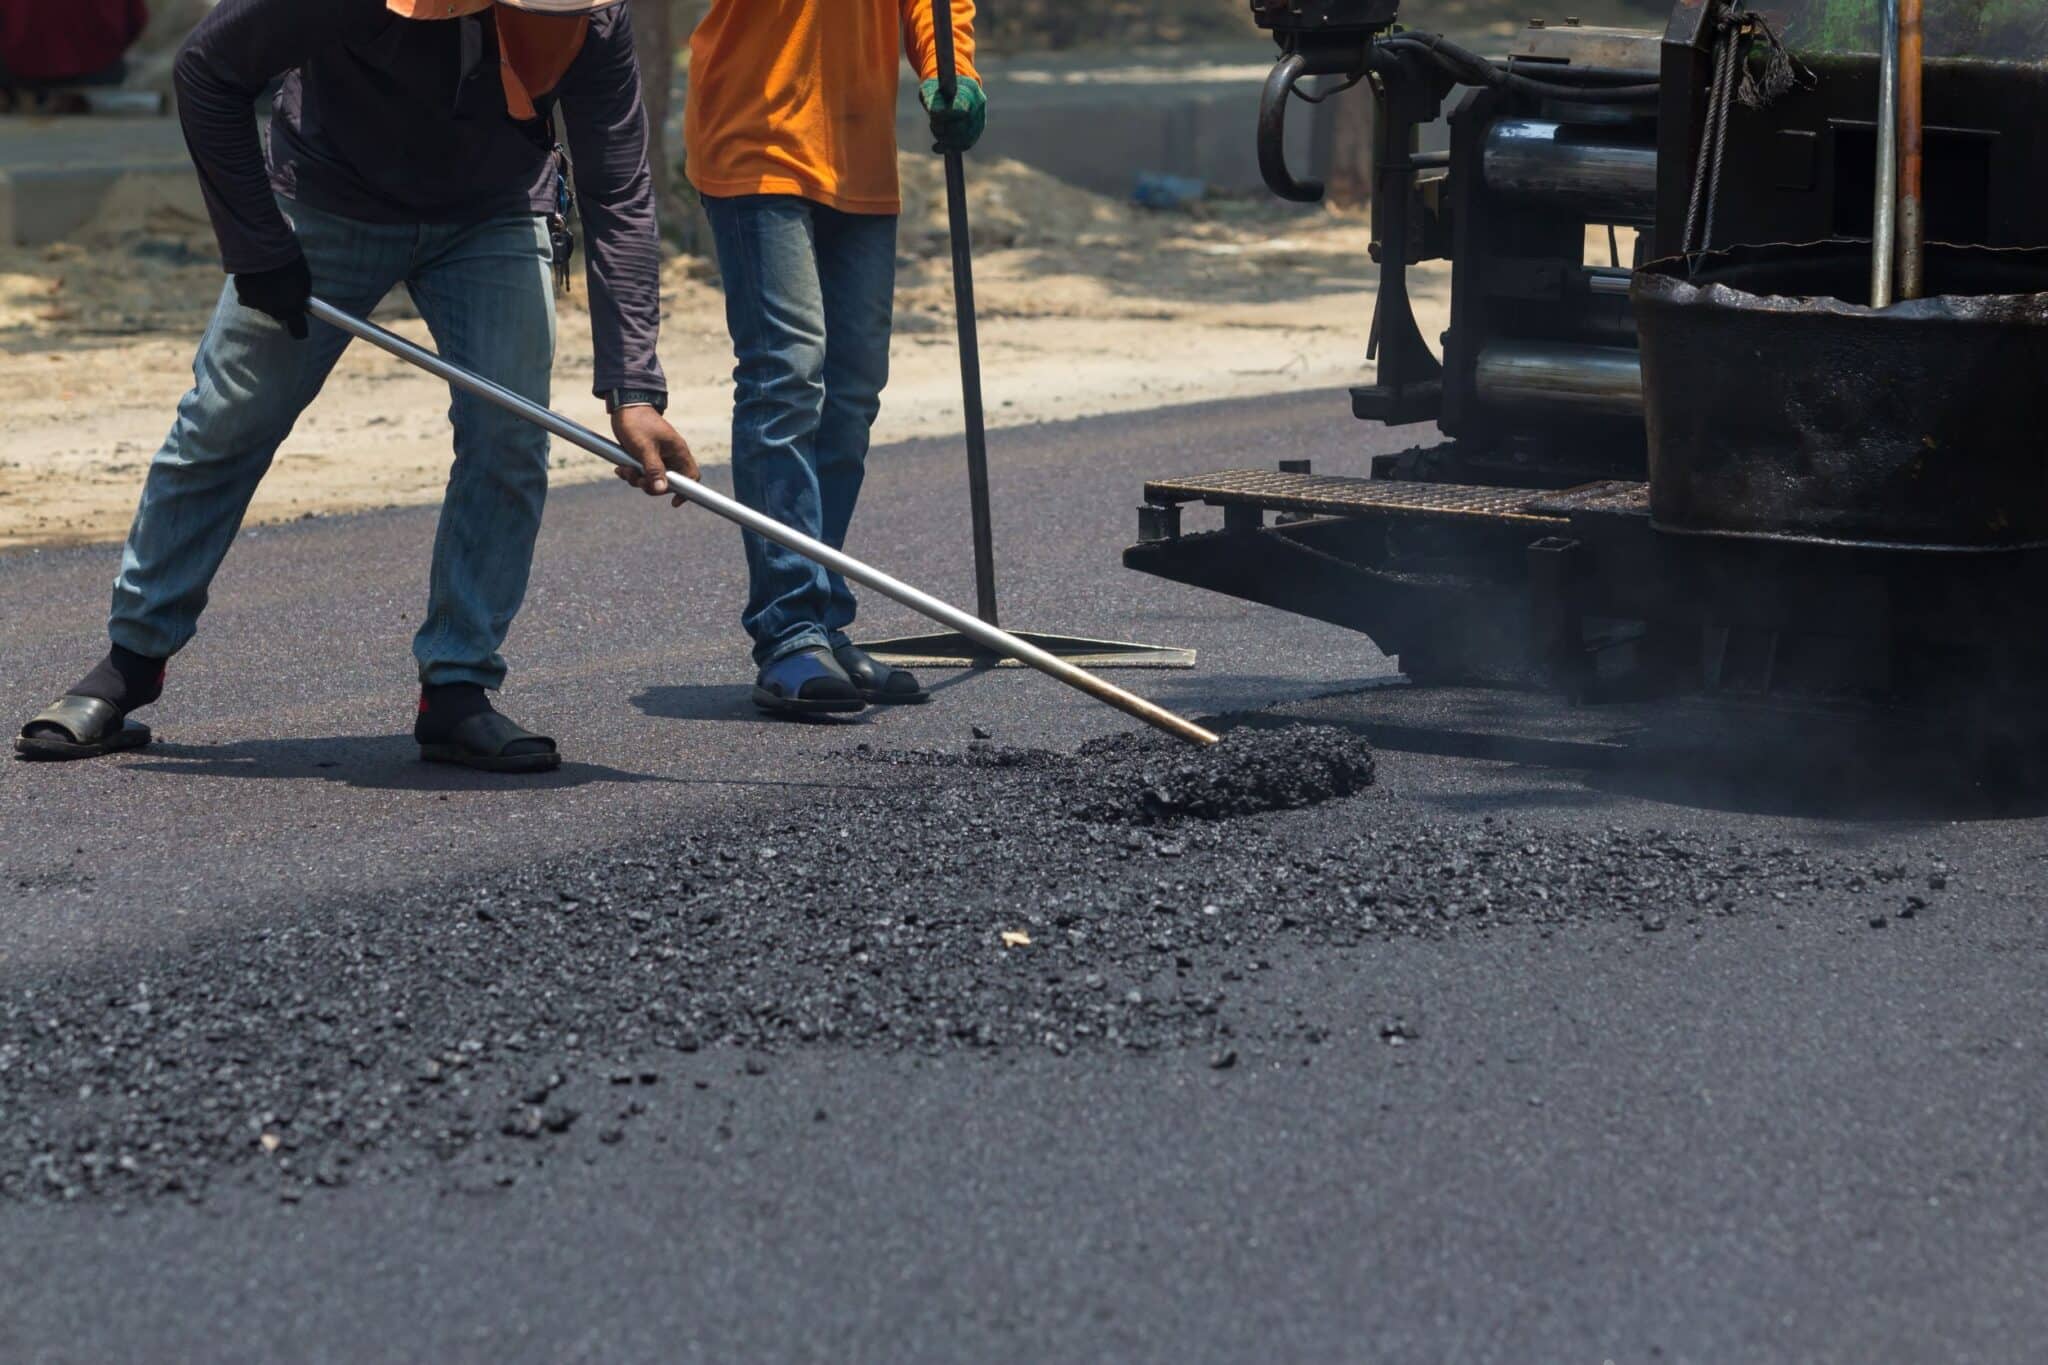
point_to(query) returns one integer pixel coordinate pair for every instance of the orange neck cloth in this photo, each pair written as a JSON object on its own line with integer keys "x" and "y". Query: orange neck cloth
{"x": 534, "y": 50}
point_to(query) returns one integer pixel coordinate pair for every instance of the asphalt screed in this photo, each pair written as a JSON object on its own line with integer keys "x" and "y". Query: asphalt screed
{"x": 1126, "y": 897}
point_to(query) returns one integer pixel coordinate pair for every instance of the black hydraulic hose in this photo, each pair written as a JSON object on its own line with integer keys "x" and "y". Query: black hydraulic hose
{"x": 1469, "y": 68}
{"x": 1585, "y": 75}
{"x": 1584, "y": 94}
{"x": 1273, "y": 101}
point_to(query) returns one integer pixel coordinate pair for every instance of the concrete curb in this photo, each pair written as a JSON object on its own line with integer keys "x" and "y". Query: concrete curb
{"x": 1191, "y": 115}
{"x": 41, "y": 204}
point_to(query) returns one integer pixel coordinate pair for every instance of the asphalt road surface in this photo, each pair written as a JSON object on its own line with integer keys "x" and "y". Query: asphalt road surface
{"x": 708, "y": 1047}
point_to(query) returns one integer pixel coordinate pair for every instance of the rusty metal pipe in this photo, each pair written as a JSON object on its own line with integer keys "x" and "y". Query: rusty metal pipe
{"x": 1884, "y": 210}
{"x": 987, "y": 636}
{"x": 1912, "y": 245}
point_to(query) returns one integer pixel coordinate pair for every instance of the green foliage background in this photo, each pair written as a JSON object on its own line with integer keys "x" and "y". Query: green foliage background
{"x": 2010, "y": 30}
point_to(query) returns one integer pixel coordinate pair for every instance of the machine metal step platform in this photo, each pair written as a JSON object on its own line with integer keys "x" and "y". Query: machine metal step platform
{"x": 1339, "y": 496}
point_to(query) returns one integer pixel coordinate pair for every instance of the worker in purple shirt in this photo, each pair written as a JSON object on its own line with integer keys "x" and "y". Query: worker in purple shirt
{"x": 412, "y": 143}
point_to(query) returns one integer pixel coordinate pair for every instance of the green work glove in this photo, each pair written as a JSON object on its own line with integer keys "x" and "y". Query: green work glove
{"x": 956, "y": 126}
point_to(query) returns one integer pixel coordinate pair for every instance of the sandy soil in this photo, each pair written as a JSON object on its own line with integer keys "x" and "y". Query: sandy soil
{"x": 1088, "y": 306}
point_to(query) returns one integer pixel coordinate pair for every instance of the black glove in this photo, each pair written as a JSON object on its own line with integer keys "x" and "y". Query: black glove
{"x": 281, "y": 293}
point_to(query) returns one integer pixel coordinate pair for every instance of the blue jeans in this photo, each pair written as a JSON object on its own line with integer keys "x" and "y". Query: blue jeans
{"x": 809, "y": 298}
{"x": 485, "y": 292}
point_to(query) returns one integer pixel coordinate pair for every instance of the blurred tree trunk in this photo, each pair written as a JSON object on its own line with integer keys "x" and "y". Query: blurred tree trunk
{"x": 1351, "y": 128}
{"x": 654, "y": 46}
{"x": 659, "y": 29}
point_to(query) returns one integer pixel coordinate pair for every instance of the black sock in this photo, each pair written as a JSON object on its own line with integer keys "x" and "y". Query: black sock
{"x": 444, "y": 707}
{"x": 125, "y": 678}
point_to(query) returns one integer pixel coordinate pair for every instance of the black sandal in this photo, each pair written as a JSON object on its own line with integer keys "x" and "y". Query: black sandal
{"x": 79, "y": 727}
{"x": 878, "y": 683}
{"x": 806, "y": 683}
{"x": 492, "y": 743}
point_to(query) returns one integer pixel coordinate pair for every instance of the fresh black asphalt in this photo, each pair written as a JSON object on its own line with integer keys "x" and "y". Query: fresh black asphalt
{"x": 713, "y": 1045}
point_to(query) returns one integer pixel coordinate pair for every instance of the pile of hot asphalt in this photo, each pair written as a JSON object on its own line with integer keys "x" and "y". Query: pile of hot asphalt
{"x": 1122, "y": 897}
{"x": 1147, "y": 779}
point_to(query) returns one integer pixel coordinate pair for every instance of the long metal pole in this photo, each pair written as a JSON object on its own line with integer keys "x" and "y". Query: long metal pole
{"x": 1885, "y": 208}
{"x": 1912, "y": 138}
{"x": 988, "y": 636}
{"x": 970, "y": 338}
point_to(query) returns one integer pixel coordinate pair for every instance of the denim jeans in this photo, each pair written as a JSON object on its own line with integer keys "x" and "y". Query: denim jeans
{"x": 484, "y": 290}
{"x": 809, "y": 298}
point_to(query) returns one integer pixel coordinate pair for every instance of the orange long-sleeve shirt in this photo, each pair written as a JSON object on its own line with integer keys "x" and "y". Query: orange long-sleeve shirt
{"x": 799, "y": 96}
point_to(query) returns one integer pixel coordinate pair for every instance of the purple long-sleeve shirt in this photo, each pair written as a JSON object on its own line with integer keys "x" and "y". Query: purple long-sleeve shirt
{"x": 390, "y": 120}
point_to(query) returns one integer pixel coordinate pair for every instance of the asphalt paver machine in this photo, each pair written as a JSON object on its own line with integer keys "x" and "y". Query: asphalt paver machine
{"x": 1744, "y": 392}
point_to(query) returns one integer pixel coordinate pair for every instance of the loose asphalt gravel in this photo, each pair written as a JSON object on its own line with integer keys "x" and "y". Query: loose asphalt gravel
{"x": 381, "y": 1040}
{"x": 376, "y": 1039}
{"x": 885, "y": 1041}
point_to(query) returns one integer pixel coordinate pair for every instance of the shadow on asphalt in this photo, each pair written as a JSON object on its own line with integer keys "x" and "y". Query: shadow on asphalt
{"x": 1779, "y": 786}
{"x": 375, "y": 762}
{"x": 1821, "y": 774}
{"x": 1772, "y": 787}
{"x": 720, "y": 701}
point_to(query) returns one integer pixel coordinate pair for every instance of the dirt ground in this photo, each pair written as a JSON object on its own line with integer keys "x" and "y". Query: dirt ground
{"x": 1088, "y": 306}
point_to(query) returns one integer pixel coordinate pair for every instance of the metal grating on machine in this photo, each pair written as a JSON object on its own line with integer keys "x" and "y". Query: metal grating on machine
{"x": 1615, "y": 497}
{"x": 1334, "y": 496}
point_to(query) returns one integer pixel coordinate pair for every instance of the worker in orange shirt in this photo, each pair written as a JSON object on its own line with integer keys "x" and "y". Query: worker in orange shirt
{"x": 791, "y": 130}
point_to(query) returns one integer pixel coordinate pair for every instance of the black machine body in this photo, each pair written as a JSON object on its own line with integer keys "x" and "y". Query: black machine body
{"x": 1332, "y": 35}
{"x": 1646, "y": 477}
